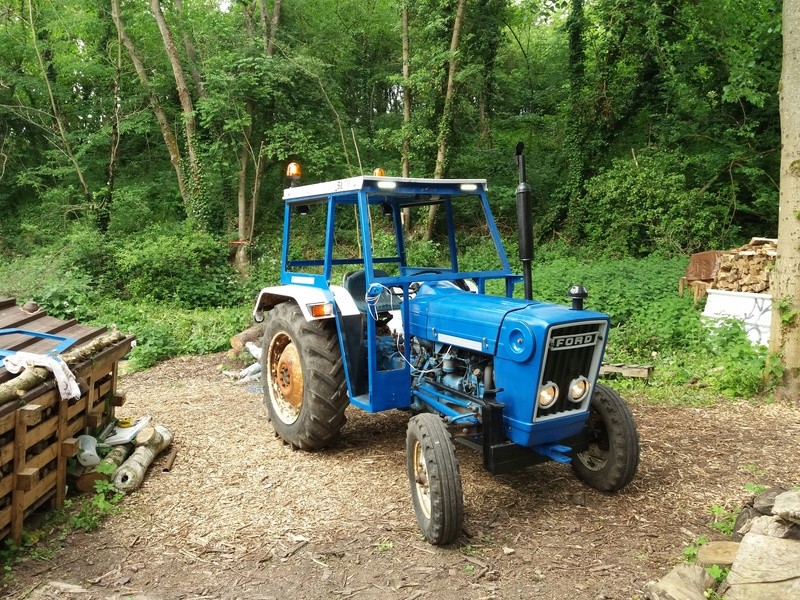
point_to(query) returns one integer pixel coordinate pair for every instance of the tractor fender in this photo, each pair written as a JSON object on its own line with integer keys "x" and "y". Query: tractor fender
{"x": 304, "y": 296}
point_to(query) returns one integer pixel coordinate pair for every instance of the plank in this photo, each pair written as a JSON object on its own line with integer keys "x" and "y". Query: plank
{"x": 637, "y": 371}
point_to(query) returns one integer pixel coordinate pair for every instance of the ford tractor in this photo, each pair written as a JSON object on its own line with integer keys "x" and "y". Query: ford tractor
{"x": 367, "y": 313}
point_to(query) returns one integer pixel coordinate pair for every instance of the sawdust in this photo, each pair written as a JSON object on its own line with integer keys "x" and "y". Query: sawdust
{"x": 241, "y": 515}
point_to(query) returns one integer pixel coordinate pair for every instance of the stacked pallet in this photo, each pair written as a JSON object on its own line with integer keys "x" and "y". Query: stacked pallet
{"x": 37, "y": 427}
{"x": 747, "y": 269}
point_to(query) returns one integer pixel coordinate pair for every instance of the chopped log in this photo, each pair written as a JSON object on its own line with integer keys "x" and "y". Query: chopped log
{"x": 85, "y": 482}
{"x": 30, "y": 378}
{"x": 150, "y": 442}
{"x": 251, "y": 334}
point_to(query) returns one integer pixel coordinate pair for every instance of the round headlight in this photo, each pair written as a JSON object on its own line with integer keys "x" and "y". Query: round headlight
{"x": 578, "y": 389}
{"x": 548, "y": 394}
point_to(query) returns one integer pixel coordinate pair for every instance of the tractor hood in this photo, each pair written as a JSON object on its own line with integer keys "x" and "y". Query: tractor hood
{"x": 505, "y": 327}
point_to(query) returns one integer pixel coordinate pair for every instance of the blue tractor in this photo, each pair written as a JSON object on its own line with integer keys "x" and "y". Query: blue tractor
{"x": 384, "y": 320}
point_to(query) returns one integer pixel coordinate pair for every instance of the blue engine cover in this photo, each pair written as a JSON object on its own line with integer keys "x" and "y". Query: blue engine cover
{"x": 516, "y": 332}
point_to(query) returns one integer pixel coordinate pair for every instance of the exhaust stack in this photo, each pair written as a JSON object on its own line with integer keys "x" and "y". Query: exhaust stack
{"x": 524, "y": 223}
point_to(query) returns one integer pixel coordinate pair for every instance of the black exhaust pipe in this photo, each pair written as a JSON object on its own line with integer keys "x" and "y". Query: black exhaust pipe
{"x": 524, "y": 223}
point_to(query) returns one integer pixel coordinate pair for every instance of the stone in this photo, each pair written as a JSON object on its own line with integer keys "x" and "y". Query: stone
{"x": 775, "y": 527}
{"x": 742, "y": 524}
{"x": 717, "y": 553}
{"x": 684, "y": 582}
{"x": 764, "y": 501}
{"x": 765, "y": 568}
{"x": 787, "y": 506}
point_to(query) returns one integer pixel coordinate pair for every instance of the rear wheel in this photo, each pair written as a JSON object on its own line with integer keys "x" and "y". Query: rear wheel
{"x": 303, "y": 377}
{"x": 611, "y": 460}
{"x": 434, "y": 478}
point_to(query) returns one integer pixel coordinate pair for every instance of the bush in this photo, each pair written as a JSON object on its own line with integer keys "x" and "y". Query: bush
{"x": 637, "y": 207}
{"x": 177, "y": 265}
{"x": 164, "y": 331}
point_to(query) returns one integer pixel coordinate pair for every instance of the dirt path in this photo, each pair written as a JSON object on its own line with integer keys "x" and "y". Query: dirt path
{"x": 243, "y": 516}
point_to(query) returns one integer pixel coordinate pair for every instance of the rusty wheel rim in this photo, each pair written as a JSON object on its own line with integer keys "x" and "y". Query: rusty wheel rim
{"x": 285, "y": 378}
{"x": 421, "y": 480}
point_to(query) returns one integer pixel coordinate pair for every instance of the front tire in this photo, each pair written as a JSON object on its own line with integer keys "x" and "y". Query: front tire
{"x": 303, "y": 378}
{"x": 611, "y": 460}
{"x": 434, "y": 478}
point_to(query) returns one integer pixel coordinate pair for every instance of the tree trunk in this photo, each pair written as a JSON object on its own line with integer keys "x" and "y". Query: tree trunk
{"x": 446, "y": 122}
{"x": 785, "y": 331}
{"x": 251, "y": 334}
{"x": 191, "y": 55}
{"x": 150, "y": 442}
{"x": 67, "y": 147}
{"x": 189, "y": 122}
{"x": 166, "y": 131}
{"x": 85, "y": 482}
{"x": 406, "y": 110}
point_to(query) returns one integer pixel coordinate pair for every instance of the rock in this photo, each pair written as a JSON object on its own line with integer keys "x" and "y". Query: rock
{"x": 775, "y": 527}
{"x": 765, "y": 500}
{"x": 684, "y": 582}
{"x": 717, "y": 553}
{"x": 765, "y": 568}
{"x": 742, "y": 524}
{"x": 787, "y": 506}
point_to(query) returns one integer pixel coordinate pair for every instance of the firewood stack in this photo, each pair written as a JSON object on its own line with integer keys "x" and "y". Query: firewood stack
{"x": 747, "y": 269}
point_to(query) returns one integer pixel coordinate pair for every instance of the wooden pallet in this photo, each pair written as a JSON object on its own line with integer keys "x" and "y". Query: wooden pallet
{"x": 38, "y": 433}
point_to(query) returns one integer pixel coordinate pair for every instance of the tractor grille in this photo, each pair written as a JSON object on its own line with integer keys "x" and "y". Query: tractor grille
{"x": 571, "y": 351}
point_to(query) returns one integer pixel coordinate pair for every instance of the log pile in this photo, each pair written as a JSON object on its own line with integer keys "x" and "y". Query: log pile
{"x": 748, "y": 268}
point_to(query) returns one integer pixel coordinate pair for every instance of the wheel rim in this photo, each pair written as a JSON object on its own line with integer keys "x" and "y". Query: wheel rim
{"x": 285, "y": 378}
{"x": 421, "y": 480}
{"x": 596, "y": 456}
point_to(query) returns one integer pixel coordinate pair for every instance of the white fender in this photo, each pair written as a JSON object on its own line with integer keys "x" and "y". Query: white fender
{"x": 304, "y": 296}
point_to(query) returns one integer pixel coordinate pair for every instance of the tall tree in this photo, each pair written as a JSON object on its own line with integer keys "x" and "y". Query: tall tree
{"x": 785, "y": 336}
{"x": 446, "y": 119}
{"x": 170, "y": 141}
{"x": 198, "y": 211}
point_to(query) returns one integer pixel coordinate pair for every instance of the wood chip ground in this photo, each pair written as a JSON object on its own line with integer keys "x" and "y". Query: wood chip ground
{"x": 241, "y": 515}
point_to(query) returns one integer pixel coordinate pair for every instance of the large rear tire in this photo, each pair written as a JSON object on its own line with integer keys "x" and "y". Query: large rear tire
{"x": 612, "y": 458}
{"x": 434, "y": 478}
{"x": 303, "y": 378}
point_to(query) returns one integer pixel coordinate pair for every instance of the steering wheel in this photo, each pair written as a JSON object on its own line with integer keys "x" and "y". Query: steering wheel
{"x": 459, "y": 282}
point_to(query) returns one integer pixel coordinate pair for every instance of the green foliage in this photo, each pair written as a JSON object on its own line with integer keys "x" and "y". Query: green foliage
{"x": 640, "y": 205}
{"x": 164, "y": 331}
{"x": 718, "y": 573}
{"x": 177, "y": 265}
{"x": 690, "y": 552}
{"x": 723, "y": 519}
{"x": 93, "y": 510}
{"x": 755, "y": 488}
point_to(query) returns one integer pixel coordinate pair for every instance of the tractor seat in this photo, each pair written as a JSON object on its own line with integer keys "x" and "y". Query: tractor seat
{"x": 355, "y": 282}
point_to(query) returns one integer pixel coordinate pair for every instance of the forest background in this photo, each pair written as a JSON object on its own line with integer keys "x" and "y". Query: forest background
{"x": 143, "y": 146}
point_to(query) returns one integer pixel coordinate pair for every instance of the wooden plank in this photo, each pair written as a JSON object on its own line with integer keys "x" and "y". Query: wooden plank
{"x": 42, "y": 431}
{"x": 7, "y": 423}
{"x": 26, "y": 479}
{"x": 67, "y": 447}
{"x": 6, "y": 485}
{"x": 6, "y": 453}
{"x": 7, "y": 302}
{"x": 40, "y": 489}
{"x": 5, "y": 519}
{"x": 638, "y": 371}
{"x": 30, "y": 414}
{"x": 119, "y": 399}
{"x": 32, "y": 343}
{"x": 76, "y": 426}
{"x": 44, "y": 457}
{"x": 77, "y": 408}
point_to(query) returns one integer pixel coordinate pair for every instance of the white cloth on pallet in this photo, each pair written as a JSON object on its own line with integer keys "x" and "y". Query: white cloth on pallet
{"x": 67, "y": 384}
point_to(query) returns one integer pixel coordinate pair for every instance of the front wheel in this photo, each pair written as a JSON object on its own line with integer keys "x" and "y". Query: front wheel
{"x": 611, "y": 460}
{"x": 434, "y": 478}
